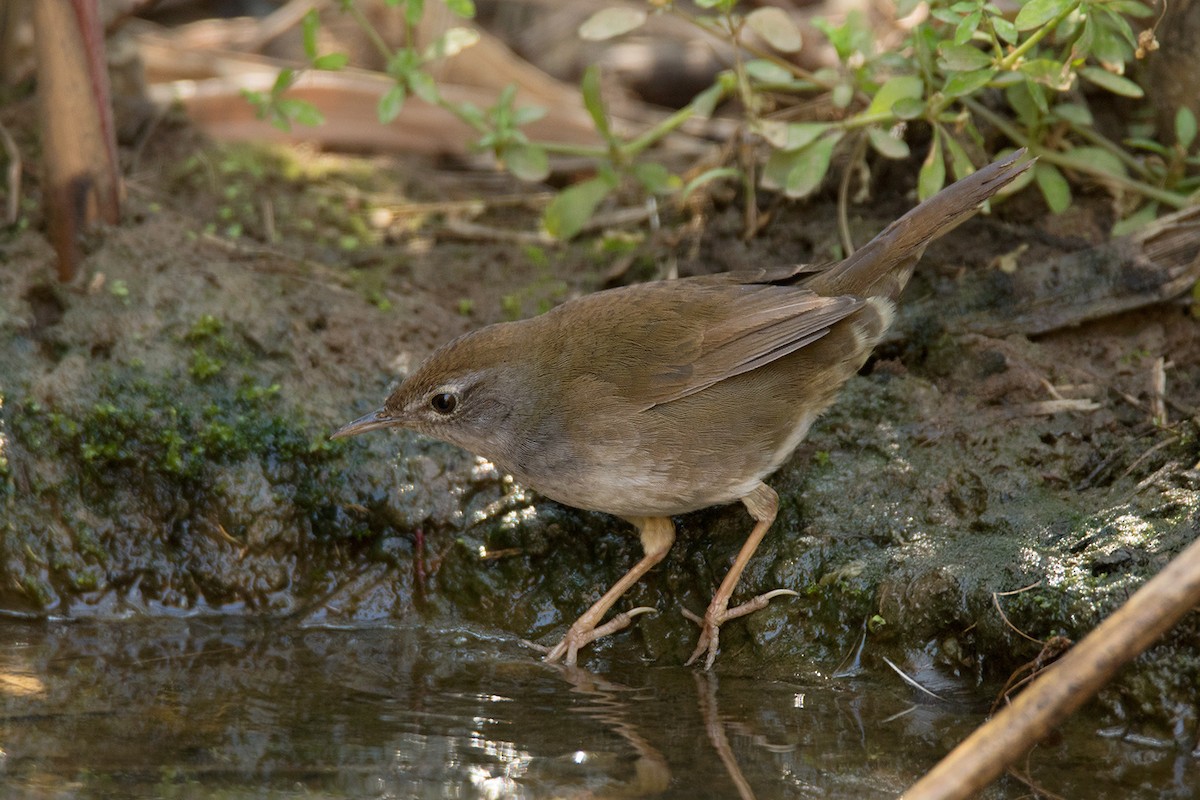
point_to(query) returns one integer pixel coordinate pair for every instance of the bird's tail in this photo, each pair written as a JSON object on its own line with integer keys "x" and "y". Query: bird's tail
{"x": 883, "y": 266}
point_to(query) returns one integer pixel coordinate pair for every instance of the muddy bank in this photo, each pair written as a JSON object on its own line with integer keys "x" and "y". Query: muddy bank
{"x": 165, "y": 442}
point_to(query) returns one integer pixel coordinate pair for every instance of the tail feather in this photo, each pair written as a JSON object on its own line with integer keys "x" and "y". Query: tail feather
{"x": 883, "y": 266}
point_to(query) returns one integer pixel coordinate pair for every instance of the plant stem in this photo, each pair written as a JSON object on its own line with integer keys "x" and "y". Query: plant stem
{"x": 1067, "y": 162}
{"x": 1009, "y": 61}
{"x": 363, "y": 23}
{"x": 635, "y": 146}
{"x": 1102, "y": 141}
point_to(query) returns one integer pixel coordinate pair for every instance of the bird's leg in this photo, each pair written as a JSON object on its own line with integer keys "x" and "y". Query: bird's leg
{"x": 658, "y": 534}
{"x": 762, "y": 503}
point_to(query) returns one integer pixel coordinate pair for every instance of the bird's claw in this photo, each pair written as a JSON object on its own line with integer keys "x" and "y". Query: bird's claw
{"x": 579, "y": 635}
{"x": 718, "y": 614}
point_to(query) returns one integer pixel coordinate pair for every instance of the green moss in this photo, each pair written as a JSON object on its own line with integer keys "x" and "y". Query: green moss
{"x": 204, "y": 366}
{"x": 149, "y": 434}
{"x": 36, "y": 590}
{"x": 535, "y": 255}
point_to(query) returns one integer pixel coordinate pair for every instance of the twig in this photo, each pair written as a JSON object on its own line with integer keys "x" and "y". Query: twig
{"x": 1046, "y": 408}
{"x": 1158, "y": 390}
{"x": 1027, "y": 779}
{"x": 476, "y": 232}
{"x": 911, "y": 681}
{"x": 1149, "y": 452}
{"x": 1003, "y": 616}
{"x": 1067, "y": 684}
{"x": 13, "y": 206}
{"x": 843, "y": 203}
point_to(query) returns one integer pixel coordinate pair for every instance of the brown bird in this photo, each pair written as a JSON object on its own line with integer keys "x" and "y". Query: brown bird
{"x": 662, "y": 398}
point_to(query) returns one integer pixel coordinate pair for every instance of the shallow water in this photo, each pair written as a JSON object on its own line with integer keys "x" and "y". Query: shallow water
{"x": 233, "y": 709}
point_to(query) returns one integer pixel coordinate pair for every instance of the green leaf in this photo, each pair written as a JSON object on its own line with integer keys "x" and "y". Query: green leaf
{"x": 283, "y": 81}
{"x": 932, "y": 176}
{"x": 1048, "y": 72}
{"x": 1130, "y": 8}
{"x": 655, "y": 178}
{"x": 887, "y": 145}
{"x": 800, "y": 173}
{"x": 946, "y": 15}
{"x": 962, "y": 83}
{"x": 592, "y": 100}
{"x": 776, "y": 27}
{"x": 527, "y": 114}
{"x": 765, "y": 71}
{"x": 1119, "y": 26}
{"x": 1101, "y": 159}
{"x": 1020, "y": 99}
{"x": 413, "y": 11}
{"x": 462, "y": 8}
{"x": 1113, "y": 83}
{"x": 472, "y": 114}
{"x": 842, "y": 95}
{"x": 391, "y": 103}
{"x": 966, "y": 29}
{"x": 257, "y": 99}
{"x": 402, "y": 62}
{"x": 960, "y": 162}
{"x": 909, "y": 108}
{"x": 421, "y": 84}
{"x": 1149, "y": 145}
{"x": 1142, "y": 217}
{"x": 1108, "y": 46}
{"x": 309, "y": 25}
{"x": 1081, "y": 47}
{"x": 1005, "y": 30}
{"x": 1185, "y": 127}
{"x": 963, "y": 57}
{"x": 1053, "y": 185}
{"x": 526, "y": 161}
{"x": 1075, "y": 114}
{"x": 706, "y": 177}
{"x": 1037, "y": 13}
{"x": 331, "y": 61}
{"x": 300, "y": 111}
{"x": 902, "y": 87}
{"x": 791, "y": 135}
{"x": 567, "y": 213}
{"x": 609, "y": 23}
{"x": 705, "y": 102}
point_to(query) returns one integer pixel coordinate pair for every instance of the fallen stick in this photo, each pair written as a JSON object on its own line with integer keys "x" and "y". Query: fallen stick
{"x": 1067, "y": 684}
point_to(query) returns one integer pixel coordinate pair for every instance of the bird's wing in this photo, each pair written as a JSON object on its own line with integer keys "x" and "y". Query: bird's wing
{"x": 675, "y": 341}
{"x": 761, "y": 324}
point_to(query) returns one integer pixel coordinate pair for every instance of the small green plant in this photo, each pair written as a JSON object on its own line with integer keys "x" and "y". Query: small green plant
{"x": 498, "y": 126}
{"x": 205, "y": 366}
{"x": 945, "y": 77}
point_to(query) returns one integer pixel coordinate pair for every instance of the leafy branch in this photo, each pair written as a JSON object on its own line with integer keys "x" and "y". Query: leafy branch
{"x": 946, "y": 77}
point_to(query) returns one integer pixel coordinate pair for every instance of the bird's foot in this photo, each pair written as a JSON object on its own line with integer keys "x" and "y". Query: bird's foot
{"x": 719, "y": 613}
{"x": 584, "y": 632}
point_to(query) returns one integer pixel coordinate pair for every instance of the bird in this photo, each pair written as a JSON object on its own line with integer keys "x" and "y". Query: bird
{"x": 653, "y": 400}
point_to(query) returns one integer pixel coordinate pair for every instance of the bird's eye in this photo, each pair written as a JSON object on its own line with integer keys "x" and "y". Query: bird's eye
{"x": 443, "y": 403}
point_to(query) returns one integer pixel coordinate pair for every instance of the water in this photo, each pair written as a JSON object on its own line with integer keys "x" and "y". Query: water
{"x": 238, "y": 709}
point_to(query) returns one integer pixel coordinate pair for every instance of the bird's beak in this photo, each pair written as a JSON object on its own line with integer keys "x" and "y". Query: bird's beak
{"x": 371, "y": 422}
